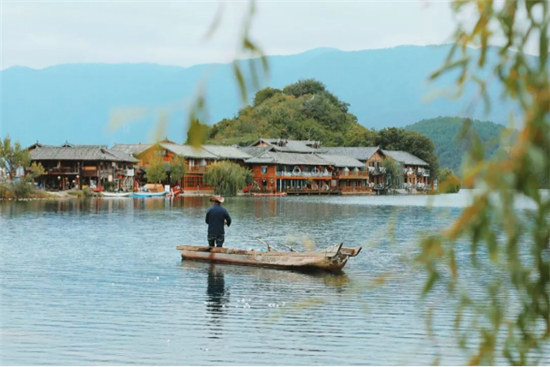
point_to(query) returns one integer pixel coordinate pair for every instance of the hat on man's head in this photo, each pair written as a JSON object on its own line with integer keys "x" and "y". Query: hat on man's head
{"x": 217, "y": 198}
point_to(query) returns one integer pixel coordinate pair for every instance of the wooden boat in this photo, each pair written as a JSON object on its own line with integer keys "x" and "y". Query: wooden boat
{"x": 146, "y": 194}
{"x": 330, "y": 259}
{"x": 150, "y": 190}
{"x": 116, "y": 194}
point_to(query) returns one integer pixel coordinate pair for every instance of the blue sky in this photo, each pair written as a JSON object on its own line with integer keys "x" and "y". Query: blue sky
{"x": 41, "y": 33}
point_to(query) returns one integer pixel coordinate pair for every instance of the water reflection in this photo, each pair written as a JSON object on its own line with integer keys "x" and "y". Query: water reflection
{"x": 216, "y": 300}
{"x": 216, "y": 293}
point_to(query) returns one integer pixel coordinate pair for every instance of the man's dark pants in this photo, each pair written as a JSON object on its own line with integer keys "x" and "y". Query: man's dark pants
{"x": 217, "y": 238}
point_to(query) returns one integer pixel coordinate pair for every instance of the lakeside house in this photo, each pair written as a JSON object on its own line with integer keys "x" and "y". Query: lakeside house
{"x": 278, "y": 166}
{"x": 82, "y": 166}
{"x": 416, "y": 172}
{"x": 197, "y": 161}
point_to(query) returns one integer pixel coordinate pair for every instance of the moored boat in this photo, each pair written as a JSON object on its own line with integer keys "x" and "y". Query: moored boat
{"x": 150, "y": 190}
{"x": 146, "y": 194}
{"x": 331, "y": 259}
{"x": 115, "y": 194}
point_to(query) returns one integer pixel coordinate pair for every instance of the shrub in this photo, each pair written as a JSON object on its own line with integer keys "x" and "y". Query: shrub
{"x": 228, "y": 177}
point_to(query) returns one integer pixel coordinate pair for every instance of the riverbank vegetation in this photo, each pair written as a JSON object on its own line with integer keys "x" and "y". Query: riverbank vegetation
{"x": 448, "y": 182}
{"x": 227, "y": 178}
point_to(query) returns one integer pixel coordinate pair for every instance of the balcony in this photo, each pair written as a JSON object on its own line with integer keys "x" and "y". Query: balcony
{"x": 197, "y": 169}
{"x": 376, "y": 171}
{"x": 303, "y": 174}
{"x": 61, "y": 171}
{"x": 353, "y": 174}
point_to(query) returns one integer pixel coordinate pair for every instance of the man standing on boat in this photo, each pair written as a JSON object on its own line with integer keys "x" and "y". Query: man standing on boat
{"x": 216, "y": 217}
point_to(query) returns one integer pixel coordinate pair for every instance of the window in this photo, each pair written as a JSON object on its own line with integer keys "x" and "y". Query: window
{"x": 264, "y": 170}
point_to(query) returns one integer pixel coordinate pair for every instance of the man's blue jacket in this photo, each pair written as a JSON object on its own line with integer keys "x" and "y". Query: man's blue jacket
{"x": 216, "y": 215}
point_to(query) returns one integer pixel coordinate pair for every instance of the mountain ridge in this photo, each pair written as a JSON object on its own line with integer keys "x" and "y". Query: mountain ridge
{"x": 77, "y": 102}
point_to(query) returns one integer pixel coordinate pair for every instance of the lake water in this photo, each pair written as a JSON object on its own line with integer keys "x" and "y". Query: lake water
{"x": 99, "y": 281}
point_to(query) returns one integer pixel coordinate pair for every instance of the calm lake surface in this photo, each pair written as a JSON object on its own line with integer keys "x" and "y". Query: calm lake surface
{"x": 99, "y": 281}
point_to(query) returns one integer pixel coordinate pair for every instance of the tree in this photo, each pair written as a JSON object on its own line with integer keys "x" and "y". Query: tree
{"x": 359, "y": 136}
{"x": 509, "y": 247}
{"x": 34, "y": 171}
{"x": 305, "y": 86}
{"x": 227, "y": 177}
{"x": 156, "y": 173}
{"x": 177, "y": 169}
{"x": 264, "y": 94}
{"x": 12, "y": 157}
{"x": 448, "y": 181}
{"x": 394, "y": 138}
{"x": 394, "y": 173}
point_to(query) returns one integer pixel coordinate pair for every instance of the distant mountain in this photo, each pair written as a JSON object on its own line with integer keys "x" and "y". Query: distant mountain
{"x": 443, "y": 131}
{"x": 75, "y": 102}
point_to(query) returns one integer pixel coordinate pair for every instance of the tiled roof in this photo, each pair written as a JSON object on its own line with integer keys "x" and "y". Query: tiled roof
{"x": 255, "y": 151}
{"x": 187, "y": 151}
{"x": 133, "y": 149}
{"x": 290, "y": 146}
{"x": 405, "y": 157}
{"x": 227, "y": 152}
{"x": 359, "y": 153}
{"x": 341, "y": 160}
{"x": 289, "y": 159}
{"x": 78, "y": 153}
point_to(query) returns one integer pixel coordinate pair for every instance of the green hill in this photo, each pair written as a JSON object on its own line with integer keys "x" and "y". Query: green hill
{"x": 305, "y": 110}
{"x": 450, "y": 149}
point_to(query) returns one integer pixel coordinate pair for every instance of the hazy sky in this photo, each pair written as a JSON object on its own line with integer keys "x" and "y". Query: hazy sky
{"x": 40, "y": 33}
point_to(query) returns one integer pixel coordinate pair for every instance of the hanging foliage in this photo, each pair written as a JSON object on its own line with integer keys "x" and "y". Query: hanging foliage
{"x": 227, "y": 178}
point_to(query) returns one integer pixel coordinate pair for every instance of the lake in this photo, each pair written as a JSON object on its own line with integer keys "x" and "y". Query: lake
{"x": 99, "y": 281}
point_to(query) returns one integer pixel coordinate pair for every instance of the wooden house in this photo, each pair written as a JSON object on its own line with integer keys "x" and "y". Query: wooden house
{"x": 416, "y": 172}
{"x": 371, "y": 157}
{"x": 82, "y": 166}
{"x": 349, "y": 175}
{"x": 293, "y": 173}
{"x": 197, "y": 161}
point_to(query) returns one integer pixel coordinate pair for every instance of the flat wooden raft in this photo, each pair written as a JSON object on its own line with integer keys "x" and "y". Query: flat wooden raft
{"x": 331, "y": 259}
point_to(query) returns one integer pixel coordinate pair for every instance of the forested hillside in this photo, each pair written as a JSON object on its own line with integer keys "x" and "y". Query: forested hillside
{"x": 306, "y": 110}
{"x": 449, "y": 147}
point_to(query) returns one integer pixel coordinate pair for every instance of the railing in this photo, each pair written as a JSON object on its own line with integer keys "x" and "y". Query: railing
{"x": 419, "y": 171}
{"x": 303, "y": 174}
{"x": 61, "y": 170}
{"x": 296, "y": 191}
{"x": 197, "y": 169}
{"x": 352, "y": 174}
{"x": 375, "y": 171}
{"x": 356, "y": 189}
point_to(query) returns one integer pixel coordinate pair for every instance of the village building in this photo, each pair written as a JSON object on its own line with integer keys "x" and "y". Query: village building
{"x": 197, "y": 161}
{"x": 83, "y": 166}
{"x": 371, "y": 158}
{"x": 349, "y": 175}
{"x": 293, "y": 173}
{"x": 416, "y": 172}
